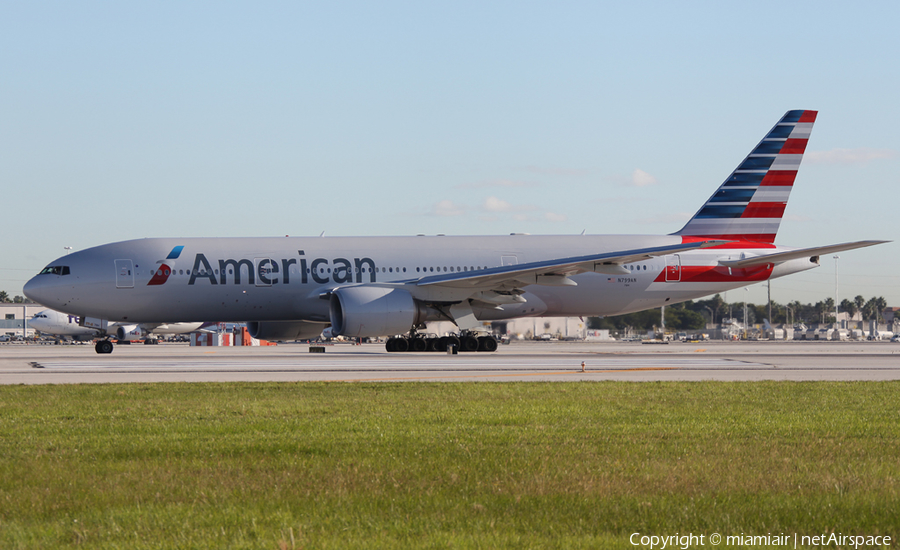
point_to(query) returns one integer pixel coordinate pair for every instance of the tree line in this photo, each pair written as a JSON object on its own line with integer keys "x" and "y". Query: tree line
{"x": 694, "y": 315}
{"x": 5, "y": 299}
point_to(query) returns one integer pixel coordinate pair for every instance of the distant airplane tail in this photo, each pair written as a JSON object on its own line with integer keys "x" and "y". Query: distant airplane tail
{"x": 749, "y": 205}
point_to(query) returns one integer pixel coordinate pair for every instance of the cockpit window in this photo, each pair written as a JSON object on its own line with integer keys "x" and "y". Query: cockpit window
{"x": 55, "y": 270}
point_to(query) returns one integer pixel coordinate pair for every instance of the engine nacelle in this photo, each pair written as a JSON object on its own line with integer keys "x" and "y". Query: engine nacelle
{"x": 129, "y": 332}
{"x": 284, "y": 331}
{"x": 369, "y": 311}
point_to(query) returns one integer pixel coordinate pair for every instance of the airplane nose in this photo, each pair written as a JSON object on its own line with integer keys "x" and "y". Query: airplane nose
{"x": 35, "y": 291}
{"x": 43, "y": 289}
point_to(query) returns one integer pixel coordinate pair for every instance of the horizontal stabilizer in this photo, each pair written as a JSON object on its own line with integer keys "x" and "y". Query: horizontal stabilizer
{"x": 780, "y": 257}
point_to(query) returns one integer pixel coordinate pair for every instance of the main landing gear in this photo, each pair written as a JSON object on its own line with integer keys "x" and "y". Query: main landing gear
{"x": 466, "y": 342}
{"x": 103, "y": 346}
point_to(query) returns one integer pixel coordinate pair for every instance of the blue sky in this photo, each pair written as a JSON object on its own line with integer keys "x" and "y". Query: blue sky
{"x": 141, "y": 119}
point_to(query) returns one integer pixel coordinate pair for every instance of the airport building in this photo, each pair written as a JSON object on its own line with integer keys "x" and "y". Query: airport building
{"x": 13, "y": 317}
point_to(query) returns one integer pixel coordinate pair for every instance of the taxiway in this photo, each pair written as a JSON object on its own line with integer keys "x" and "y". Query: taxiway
{"x": 520, "y": 361}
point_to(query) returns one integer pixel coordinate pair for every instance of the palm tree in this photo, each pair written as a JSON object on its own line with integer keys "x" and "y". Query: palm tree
{"x": 820, "y": 310}
{"x": 718, "y": 303}
{"x": 874, "y": 308}
{"x": 880, "y": 305}
{"x": 849, "y": 307}
{"x": 860, "y": 302}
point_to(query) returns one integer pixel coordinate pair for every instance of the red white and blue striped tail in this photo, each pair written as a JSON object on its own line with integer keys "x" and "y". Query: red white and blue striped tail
{"x": 749, "y": 205}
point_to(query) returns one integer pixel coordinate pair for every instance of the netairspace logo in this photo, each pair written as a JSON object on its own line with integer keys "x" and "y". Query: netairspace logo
{"x": 829, "y": 540}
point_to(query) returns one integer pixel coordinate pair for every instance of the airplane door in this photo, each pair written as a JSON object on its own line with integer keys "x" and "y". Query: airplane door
{"x": 124, "y": 274}
{"x": 673, "y": 268}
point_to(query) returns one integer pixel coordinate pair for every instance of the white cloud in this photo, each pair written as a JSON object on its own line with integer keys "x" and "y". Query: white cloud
{"x": 493, "y": 204}
{"x": 447, "y": 208}
{"x": 859, "y": 155}
{"x": 639, "y": 178}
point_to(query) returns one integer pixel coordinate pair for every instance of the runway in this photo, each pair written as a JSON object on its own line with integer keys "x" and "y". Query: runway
{"x": 520, "y": 361}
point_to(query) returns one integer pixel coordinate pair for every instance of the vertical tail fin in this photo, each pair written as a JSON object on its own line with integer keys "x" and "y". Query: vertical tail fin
{"x": 750, "y": 203}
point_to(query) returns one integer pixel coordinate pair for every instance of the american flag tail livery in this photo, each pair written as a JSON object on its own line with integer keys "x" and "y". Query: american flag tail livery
{"x": 748, "y": 206}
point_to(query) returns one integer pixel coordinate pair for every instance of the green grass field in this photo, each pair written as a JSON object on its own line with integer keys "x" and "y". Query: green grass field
{"x": 432, "y": 465}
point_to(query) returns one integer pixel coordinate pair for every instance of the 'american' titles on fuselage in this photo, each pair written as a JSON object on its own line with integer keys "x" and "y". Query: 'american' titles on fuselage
{"x": 338, "y": 270}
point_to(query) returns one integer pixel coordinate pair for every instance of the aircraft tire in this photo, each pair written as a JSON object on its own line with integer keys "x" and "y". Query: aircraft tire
{"x": 487, "y": 343}
{"x": 418, "y": 344}
{"x": 431, "y": 344}
{"x": 401, "y": 344}
{"x": 104, "y": 346}
{"x": 469, "y": 343}
{"x": 441, "y": 344}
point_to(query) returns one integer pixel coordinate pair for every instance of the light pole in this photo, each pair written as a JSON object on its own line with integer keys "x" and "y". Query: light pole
{"x": 68, "y": 248}
{"x": 746, "y": 332}
{"x": 836, "y": 258}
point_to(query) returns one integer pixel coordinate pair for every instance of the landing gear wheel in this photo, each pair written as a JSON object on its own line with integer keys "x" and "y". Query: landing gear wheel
{"x": 431, "y": 344}
{"x": 401, "y": 344}
{"x": 441, "y": 344}
{"x": 418, "y": 344}
{"x": 468, "y": 343}
{"x": 397, "y": 344}
{"x": 487, "y": 343}
{"x": 104, "y": 346}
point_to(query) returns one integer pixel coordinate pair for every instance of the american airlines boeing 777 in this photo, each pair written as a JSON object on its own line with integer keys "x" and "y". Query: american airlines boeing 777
{"x": 297, "y": 287}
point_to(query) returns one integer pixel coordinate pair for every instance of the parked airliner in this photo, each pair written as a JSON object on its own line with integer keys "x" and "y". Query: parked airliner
{"x": 298, "y": 287}
{"x": 57, "y": 323}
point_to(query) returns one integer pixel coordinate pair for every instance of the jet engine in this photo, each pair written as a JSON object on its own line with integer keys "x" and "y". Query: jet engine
{"x": 367, "y": 311}
{"x": 129, "y": 332}
{"x": 284, "y": 331}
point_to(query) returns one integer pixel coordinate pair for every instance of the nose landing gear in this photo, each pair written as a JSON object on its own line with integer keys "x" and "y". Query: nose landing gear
{"x": 103, "y": 346}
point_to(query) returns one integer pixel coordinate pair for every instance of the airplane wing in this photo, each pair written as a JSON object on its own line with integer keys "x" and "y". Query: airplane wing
{"x": 556, "y": 272}
{"x": 780, "y": 257}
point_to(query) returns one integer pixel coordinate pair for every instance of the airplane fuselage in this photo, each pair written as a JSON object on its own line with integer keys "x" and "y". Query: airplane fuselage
{"x": 286, "y": 278}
